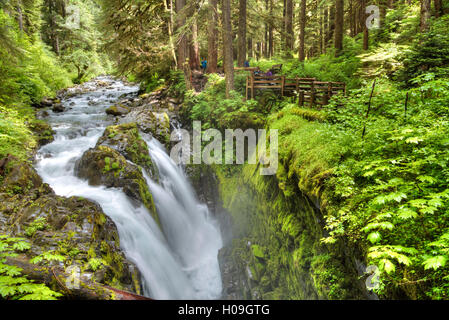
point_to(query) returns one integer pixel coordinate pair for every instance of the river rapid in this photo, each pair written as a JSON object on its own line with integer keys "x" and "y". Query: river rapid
{"x": 177, "y": 262}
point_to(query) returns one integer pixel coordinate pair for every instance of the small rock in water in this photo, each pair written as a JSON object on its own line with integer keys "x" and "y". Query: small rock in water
{"x": 58, "y": 108}
{"x": 46, "y": 102}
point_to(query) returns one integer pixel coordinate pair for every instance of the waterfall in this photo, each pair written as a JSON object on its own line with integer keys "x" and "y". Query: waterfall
{"x": 190, "y": 231}
{"x": 177, "y": 262}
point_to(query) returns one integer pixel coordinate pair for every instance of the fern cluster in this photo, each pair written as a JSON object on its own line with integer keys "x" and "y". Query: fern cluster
{"x": 13, "y": 285}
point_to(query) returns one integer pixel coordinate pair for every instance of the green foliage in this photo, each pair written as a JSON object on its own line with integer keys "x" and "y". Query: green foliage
{"x": 324, "y": 68}
{"x": 29, "y": 71}
{"x": 38, "y": 224}
{"x": 392, "y": 183}
{"x": 96, "y": 263}
{"x": 428, "y": 55}
{"x": 48, "y": 257}
{"x": 216, "y": 111}
{"x": 75, "y": 37}
{"x": 140, "y": 43}
{"x": 14, "y": 286}
{"x": 15, "y": 137}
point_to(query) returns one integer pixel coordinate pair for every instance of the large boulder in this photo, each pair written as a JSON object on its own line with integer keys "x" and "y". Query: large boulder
{"x": 103, "y": 165}
{"x": 117, "y": 110}
{"x": 75, "y": 230}
{"x": 21, "y": 178}
{"x": 125, "y": 139}
{"x": 43, "y": 132}
{"x": 155, "y": 123}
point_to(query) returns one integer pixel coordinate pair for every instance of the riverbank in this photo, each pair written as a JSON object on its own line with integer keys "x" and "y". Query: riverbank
{"x": 149, "y": 234}
{"x": 377, "y": 181}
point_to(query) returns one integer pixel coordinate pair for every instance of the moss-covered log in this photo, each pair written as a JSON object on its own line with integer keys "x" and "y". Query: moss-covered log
{"x": 59, "y": 280}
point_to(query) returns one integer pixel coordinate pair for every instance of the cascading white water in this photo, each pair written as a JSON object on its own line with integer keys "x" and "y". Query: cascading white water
{"x": 189, "y": 229}
{"x": 179, "y": 262}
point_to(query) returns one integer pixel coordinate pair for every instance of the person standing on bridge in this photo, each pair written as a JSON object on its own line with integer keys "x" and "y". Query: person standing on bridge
{"x": 246, "y": 64}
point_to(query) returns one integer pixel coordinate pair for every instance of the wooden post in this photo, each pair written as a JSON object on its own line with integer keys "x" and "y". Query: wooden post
{"x": 252, "y": 87}
{"x": 328, "y": 94}
{"x": 246, "y": 95}
{"x": 312, "y": 94}
{"x": 301, "y": 98}
{"x": 297, "y": 84}
{"x": 326, "y": 98}
{"x": 282, "y": 85}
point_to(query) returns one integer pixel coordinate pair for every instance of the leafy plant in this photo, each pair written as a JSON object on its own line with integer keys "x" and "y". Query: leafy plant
{"x": 13, "y": 285}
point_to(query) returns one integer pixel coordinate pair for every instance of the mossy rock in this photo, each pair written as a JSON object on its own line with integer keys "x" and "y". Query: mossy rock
{"x": 126, "y": 140}
{"x": 21, "y": 179}
{"x": 118, "y": 110}
{"x": 74, "y": 228}
{"x": 43, "y": 132}
{"x": 155, "y": 123}
{"x": 280, "y": 233}
{"x": 105, "y": 166}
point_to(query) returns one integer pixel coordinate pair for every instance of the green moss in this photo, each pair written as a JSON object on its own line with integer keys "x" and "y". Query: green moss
{"x": 127, "y": 136}
{"x": 285, "y": 232}
{"x": 257, "y": 251}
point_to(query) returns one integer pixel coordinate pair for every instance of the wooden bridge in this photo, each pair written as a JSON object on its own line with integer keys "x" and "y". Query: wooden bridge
{"x": 308, "y": 90}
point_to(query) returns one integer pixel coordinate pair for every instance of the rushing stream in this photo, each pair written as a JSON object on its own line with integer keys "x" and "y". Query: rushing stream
{"x": 178, "y": 262}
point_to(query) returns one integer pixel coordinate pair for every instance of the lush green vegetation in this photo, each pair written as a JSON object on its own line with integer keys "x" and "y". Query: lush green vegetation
{"x": 13, "y": 285}
{"x": 377, "y": 160}
{"x": 31, "y": 70}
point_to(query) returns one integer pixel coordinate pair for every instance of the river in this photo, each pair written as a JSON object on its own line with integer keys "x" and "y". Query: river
{"x": 177, "y": 262}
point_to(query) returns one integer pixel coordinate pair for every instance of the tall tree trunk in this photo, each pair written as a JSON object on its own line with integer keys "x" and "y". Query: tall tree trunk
{"x": 169, "y": 8}
{"x": 250, "y": 47}
{"x": 212, "y": 46}
{"x": 363, "y": 26}
{"x": 227, "y": 46}
{"x": 182, "y": 48}
{"x": 57, "y": 50}
{"x": 383, "y": 12}
{"x": 331, "y": 23}
{"x": 242, "y": 34}
{"x": 270, "y": 30}
{"x": 19, "y": 15}
{"x": 438, "y": 8}
{"x": 339, "y": 21}
{"x": 283, "y": 26}
{"x": 288, "y": 28}
{"x": 194, "y": 48}
{"x": 325, "y": 27}
{"x": 352, "y": 20}
{"x": 302, "y": 30}
{"x": 425, "y": 14}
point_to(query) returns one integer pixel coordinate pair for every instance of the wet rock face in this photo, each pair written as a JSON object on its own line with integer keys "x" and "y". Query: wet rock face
{"x": 74, "y": 228}
{"x": 21, "y": 179}
{"x": 235, "y": 283}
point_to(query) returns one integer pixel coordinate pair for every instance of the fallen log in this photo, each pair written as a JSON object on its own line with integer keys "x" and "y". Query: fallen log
{"x": 56, "y": 277}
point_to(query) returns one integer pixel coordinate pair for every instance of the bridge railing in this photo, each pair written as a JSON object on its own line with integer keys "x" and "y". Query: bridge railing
{"x": 308, "y": 90}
